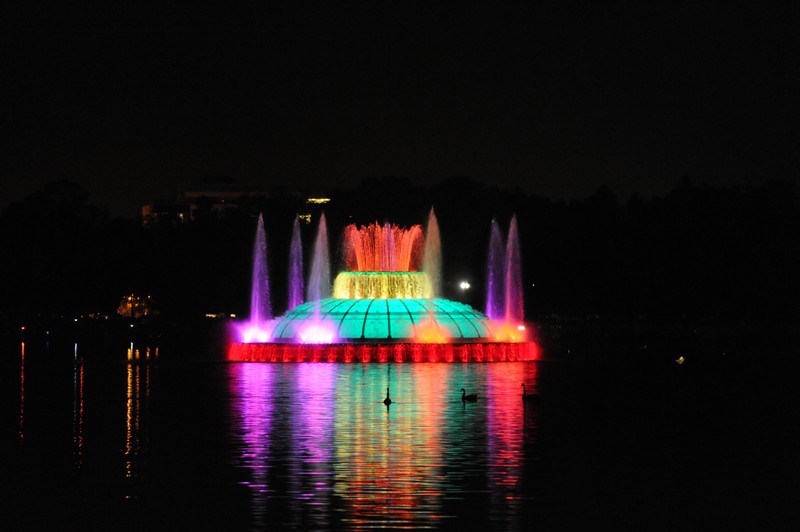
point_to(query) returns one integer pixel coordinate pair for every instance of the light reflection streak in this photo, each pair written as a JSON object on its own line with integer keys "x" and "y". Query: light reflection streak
{"x": 136, "y": 412}
{"x": 131, "y": 421}
{"x": 77, "y": 409}
{"x": 253, "y": 407}
{"x": 506, "y": 413}
{"x": 312, "y": 428}
{"x": 389, "y": 469}
{"x": 21, "y": 428}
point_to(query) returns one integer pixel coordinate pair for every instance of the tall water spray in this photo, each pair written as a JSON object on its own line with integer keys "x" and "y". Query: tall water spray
{"x": 296, "y": 284}
{"x": 319, "y": 281}
{"x": 495, "y": 274}
{"x": 382, "y": 248}
{"x": 260, "y": 307}
{"x": 515, "y": 311}
{"x": 432, "y": 256}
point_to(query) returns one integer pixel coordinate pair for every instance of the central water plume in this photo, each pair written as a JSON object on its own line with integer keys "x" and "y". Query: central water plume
{"x": 495, "y": 274}
{"x": 295, "y": 267}
{"x": 260, "y": 307}
{"x": 382, "y": 248}
{"x": 319, "y": 282}
{"x": 432, "y": 258}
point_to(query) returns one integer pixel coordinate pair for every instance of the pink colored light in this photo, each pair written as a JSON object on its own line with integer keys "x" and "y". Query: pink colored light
{"x": 250, "y": 332}
{"x": 316, "y": 333}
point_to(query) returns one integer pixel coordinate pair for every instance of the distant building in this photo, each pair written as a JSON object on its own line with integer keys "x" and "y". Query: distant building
{"x": 218, "y": 196}
{"x": 211, "y": 196}
{"x": 165, "y": 212}
{"x": 133, "y": 306}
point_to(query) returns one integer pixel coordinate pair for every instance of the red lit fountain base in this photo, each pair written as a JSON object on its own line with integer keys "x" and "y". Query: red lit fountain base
{"x": 467, "y": 352}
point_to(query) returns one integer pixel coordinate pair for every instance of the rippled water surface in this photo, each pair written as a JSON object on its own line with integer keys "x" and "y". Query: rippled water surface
{"x": 318, "y": 438}
{"x": 190, "y": 441}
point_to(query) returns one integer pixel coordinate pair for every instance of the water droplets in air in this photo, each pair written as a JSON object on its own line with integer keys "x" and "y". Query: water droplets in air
{"x": 495, "y": 274}
{"x": 296, "y": 282}
{"x": 504, "y": 299}
{"x": 432, "y": 256}
{"x": 260, "y": 306}
{"x": 319, "y": 281}
{"x": 514, "y": 305}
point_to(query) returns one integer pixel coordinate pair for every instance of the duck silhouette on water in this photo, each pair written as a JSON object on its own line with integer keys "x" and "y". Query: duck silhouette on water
{"x": 388, "y": 399}
{"x": 528, "y": 398}
{"x": 468, "y": 398}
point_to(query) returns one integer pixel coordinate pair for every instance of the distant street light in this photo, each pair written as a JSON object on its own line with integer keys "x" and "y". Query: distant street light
{"x": 464, "y": 285}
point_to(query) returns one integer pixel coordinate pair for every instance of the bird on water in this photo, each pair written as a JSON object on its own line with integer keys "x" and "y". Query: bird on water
{"x": 388, "y": 400}
{"x": 528, "y": 397}
{"x": 471, "y": 397}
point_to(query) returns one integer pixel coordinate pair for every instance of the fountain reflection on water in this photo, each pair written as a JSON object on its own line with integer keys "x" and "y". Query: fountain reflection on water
{"x": 312, "y": 445}
{"x": 344, "y": 460}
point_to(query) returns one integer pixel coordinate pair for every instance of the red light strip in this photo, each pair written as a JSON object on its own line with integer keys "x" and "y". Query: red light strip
{"x": 365, "y": 353}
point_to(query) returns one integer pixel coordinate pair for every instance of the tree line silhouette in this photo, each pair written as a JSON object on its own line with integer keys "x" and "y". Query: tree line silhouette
{"x": 698, "y": 254}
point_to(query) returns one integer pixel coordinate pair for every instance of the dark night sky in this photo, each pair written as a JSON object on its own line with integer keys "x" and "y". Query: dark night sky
{"x": 558, "y": 97}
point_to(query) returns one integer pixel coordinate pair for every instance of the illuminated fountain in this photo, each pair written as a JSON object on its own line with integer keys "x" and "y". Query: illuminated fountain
{"x": 495, "y": 274}
{"x": 257, "y": 328}
{"x": 296, "y": 284}
{"x": 386, "y": 305}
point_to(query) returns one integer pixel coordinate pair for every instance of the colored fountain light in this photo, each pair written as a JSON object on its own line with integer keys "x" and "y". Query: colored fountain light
{"x": 252, "y": 333}
{"x": 296, "y": 284}
{"x": 382, "y": 285}
{"x": 316, "y": 333}
{"x": 260, "y": 305}
{"x": 383, "y": 248}
{"x": 385, "y": 306}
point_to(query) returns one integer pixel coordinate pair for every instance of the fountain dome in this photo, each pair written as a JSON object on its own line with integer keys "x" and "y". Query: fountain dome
{"x": 386, "y": 320}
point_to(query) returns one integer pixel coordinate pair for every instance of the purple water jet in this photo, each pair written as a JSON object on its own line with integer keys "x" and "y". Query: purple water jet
{"x": 495, "y": 274}
{"x": 432, "y": 255}
{"x": 513, "y": 283}
{"x": 296, "y": 282}
{"x": 319, "y": 281}
{"x": 260, "y": 307}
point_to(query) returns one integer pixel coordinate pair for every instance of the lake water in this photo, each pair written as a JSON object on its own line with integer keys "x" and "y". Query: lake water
{"x": 188, "y": 440}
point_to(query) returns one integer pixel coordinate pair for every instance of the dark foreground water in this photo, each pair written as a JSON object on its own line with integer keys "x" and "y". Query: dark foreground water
{"x": 189, "y": 441}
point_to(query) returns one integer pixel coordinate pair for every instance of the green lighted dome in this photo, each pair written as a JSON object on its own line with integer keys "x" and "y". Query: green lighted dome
{"x": 385, "y": 320}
